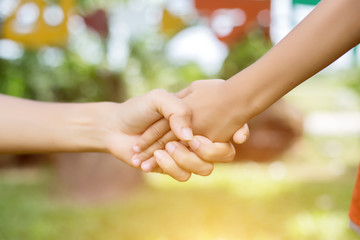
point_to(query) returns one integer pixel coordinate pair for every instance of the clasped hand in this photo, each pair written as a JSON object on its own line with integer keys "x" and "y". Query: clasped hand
{"x": 160, "y": 126}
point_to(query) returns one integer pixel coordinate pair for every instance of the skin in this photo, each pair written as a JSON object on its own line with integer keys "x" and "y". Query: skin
{"x": 160, "y": 135}
{"x": 37, "y": 127}
{"x": 58, "y": 127}
{"x": 219, "y": 107}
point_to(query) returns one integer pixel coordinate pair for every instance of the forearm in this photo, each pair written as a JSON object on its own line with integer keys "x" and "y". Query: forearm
{"x": 29, "y": 126}
{"x": 327, "y": 33}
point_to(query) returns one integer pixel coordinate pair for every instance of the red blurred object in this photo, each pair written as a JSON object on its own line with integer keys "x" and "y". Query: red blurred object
{"x": 272, "y": 133}
{"x": 257, "y": 15}
{"x": 98, "y": 22}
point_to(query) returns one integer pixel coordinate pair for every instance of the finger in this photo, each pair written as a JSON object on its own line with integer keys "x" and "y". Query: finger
{"x": 188, "y": 160}
{"x": 168, "y": 165}
{"x": 181, "y": 126}
{"x": 183, "y": 93}
{"x": 212, "y": 152}
{"x": 174, "y": 110}
{"x": 157, "y": 170}
{"x": 158, "y": 145}
{"x": 149, "y": 165}
{"x": 242, "y": 135}
{"x": 152, "y": 134}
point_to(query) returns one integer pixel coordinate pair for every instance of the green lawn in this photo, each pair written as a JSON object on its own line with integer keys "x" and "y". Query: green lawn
{"x": 241, "y": 201}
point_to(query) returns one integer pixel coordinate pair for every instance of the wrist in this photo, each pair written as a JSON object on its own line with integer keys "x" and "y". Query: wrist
{"x": 89, "y": 125}
{"x": 251, "y": 92}
{"x": 242, "y": 99}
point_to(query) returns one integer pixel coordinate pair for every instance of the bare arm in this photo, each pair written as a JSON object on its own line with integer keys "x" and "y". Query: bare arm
{"x": 29, "y": 126}
{"x": 328, "y": 32}
{"x": 37, "y": 127}
{"x": 220, "y": 108}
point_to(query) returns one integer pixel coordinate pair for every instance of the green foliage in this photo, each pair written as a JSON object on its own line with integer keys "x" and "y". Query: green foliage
{"x": 71, "y": 81}
{"x": 352, "y": 78}
{"x": 245, "y": 52}
{"x": 147, "y": 68}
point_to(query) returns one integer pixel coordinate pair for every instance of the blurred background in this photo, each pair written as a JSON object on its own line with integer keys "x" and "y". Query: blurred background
{"x": 293, "y": 179}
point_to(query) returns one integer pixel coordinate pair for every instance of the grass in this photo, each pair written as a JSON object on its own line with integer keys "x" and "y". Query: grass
{"x": 240, "y": 201}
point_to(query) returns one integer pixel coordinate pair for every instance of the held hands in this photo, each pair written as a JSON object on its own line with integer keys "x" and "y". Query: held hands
{"x": 121, "y": 125}
{"x": 124, "y": 128}
{"x": 210, "y": 118}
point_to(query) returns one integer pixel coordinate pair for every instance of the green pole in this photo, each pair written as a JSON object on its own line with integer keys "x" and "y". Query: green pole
{"x": 306, "y": 2}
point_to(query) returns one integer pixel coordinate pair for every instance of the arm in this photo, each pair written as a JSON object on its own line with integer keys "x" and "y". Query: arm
{"x": 219, "y": 108}
{"x": 328, "y": 32}
{"x": 29, "y": 126}
{"x": 37, "y": 127}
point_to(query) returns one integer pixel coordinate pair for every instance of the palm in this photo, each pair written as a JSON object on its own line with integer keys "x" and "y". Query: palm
{"x": 127, "y": 127}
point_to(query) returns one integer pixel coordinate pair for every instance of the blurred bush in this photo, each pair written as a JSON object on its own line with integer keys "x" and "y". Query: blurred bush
{"x": 352, "y": 79}
{"x": 245, "y": 52}
{"x": 72, "y": 81}
{"x": 58, "y": 73}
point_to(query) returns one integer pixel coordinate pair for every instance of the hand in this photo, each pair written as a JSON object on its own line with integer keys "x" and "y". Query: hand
{"x": 179, "y": 161}
{"x": 158, "y": 135}
{"x": 211, "y": 117}
{"x": 123, "y": 123}
{"x": 135, "y": 115}
{"x": 213, "y": 114}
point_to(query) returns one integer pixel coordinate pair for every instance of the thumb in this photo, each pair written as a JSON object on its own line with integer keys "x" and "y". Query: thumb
{"x": 183, "y": 93}
{"x": 242, "y": 134}
{"x": 177, "y": 112}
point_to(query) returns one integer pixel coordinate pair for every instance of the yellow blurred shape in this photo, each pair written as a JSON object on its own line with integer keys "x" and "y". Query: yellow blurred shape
{"x": 171, "y": 24}
{"x": 36, "y": 23}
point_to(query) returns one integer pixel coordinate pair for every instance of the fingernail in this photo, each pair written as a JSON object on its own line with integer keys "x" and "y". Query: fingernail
{"x": 170, "y": 147}
{"x": 136, "y": 149}
{"x": 187, "y": 133}
{"x": 146, "y": 167}
{"x": 194, "y": 144}
{"x": 242, "y": 139}
{"x": 135, "y": 161}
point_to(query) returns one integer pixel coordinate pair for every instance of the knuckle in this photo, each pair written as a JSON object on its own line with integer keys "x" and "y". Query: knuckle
{"x": 182, "y": 156}
{"x": 160, "y": 143}
{"x": 229, "y": 157}
{"x": 210, "y": 154}
{"x": 146, "y": 138}
{"x": 154, "y": 133}
{"x": 194, "y": 84}
{"x": 184, "y": 110}
{"x": 143, "y": 142}
{"x": 152, "y": 93}
{"x": 207, "y": 170}
{"x": 157, "y": 92}
{"x": 184, "y": 177}
{"x": 146, "y": 155}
